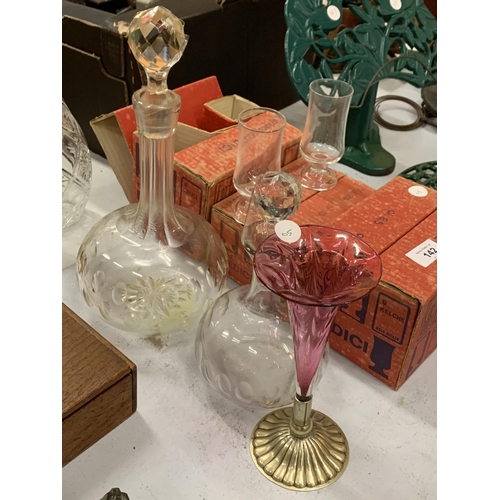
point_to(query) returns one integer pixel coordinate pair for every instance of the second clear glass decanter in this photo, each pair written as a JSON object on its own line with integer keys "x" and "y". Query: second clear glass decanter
{"x": 244, "y": 345}
{"x": 153, "y": 267}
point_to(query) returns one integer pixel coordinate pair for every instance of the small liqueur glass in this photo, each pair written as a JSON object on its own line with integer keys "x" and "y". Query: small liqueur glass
{"x": 260, "y": 136}
{"x": 323, "y": 138}
{"x": 315, "y": 269}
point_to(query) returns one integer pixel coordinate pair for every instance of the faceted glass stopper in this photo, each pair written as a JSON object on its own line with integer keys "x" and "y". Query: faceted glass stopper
{"x": 277, "y": 195}
{"x": 156, "y": 38}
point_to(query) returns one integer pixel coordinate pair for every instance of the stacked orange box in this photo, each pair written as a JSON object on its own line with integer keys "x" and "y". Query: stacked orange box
{"x": 315, "y": 207}
{"x": 204, "y": 172}
{"x": 393, "y": 330}
{"x": 201, "y": 117}
{"x": 326, "y": 205}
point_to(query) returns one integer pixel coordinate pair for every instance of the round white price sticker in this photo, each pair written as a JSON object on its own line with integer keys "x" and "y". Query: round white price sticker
{"x": 419, "y": 191}
{"x": 333, "y": 13}
{"x": 287, "y": 231}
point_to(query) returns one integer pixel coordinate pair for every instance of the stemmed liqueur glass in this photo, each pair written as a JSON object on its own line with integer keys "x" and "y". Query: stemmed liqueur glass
{"x": 316, "y": 269}
{"x": 323, "y": 139}
{"x": 260, "y": 136}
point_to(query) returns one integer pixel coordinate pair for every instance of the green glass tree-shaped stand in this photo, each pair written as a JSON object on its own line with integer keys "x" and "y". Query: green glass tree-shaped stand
{"x": 364, "y": 41}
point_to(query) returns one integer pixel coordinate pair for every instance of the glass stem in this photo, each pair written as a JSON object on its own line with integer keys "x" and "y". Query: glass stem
{"x": 317, "y": 167}
{"x": 311, "y": 326}
{"x": 157, "y": 116}
{"x": 255, "y": 285}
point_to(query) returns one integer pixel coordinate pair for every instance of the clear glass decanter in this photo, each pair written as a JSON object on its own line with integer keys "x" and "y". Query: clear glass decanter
{"x": 153, "y": 267}
{"x": 244, "y": 346}
{"x": 76, "y": 169}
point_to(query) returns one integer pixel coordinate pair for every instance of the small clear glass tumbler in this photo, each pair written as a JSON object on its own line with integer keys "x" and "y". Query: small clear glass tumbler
{"x": 260, "y": 136}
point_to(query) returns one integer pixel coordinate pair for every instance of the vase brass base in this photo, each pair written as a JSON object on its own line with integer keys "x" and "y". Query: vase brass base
{"x": 299, "y": 463}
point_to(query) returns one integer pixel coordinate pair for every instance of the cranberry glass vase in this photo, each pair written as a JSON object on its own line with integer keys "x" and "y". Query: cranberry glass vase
{"x": 317, "y": 269}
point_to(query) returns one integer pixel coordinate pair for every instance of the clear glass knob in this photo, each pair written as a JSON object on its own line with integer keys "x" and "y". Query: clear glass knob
{"x": 275, "y": 197}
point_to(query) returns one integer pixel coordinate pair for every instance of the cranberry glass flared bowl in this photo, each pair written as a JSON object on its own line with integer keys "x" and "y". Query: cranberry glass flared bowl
{"x": 318, "y": 272}
{"x": 324, "y": 267}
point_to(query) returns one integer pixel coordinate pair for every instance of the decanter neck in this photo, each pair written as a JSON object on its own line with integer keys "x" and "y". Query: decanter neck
{"x": 255, "y": 285}
{"x": 263, "y": 301}
{"x": 157, "y": 116}
{"x": 156, "y": 111}
{"x": 157, "y": 81}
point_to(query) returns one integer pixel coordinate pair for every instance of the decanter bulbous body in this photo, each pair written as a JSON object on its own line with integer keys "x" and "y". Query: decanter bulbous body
{"x": 244, "y": 348}
{"x": 153, "y": 267}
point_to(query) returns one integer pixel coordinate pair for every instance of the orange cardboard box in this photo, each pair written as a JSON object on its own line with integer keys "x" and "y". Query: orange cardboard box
{"x": 326, "y": 205}
{"x": 197, "y": 122}
{"x": 204, "y": 172}
{"x": 348, "y": 191}
{"x": 393, "y": 330}
{"x": 377, "y": 331}
{"x": 389, "y": 214}
{"x": 224, "y": 111}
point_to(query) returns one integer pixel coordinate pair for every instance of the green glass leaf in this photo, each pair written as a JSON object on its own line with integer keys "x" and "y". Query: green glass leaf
{"x": 352, "y": 47}
{"x": 324, "y": 43}
{"x": 325, "y": 69}
{"x": 359, "y": 13}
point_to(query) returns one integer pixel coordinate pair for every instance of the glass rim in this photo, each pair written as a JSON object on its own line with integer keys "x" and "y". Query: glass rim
{"x": 319, "y": 226}
{"x": 334, "y": 80}
{"x": 259, "y": 110}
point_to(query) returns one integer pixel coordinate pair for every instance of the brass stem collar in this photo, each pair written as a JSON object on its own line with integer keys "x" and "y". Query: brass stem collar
{"x": 301, "y": 424}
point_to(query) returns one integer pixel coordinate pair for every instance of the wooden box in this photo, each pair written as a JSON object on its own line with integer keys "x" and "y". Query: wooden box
{"x": 99, "y": 389}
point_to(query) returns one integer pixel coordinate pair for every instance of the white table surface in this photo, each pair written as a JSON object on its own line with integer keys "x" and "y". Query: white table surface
{"x": 187, "y": 442}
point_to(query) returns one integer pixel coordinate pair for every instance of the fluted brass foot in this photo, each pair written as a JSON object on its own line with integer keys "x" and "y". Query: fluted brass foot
{"x": 299, "y": 463}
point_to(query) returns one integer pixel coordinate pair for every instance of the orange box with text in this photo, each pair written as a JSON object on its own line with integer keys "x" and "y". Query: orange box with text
{"x": 392, "y": 331}
{"x": 204, "y": 172}
{"x": 315, "y": 208}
